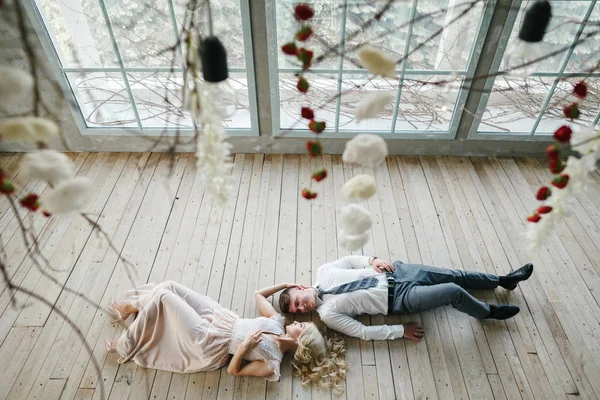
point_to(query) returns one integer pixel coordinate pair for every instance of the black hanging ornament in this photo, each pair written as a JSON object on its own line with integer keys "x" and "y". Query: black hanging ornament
{"x": 535, "y": 22}
{"x": 213, "y": 57}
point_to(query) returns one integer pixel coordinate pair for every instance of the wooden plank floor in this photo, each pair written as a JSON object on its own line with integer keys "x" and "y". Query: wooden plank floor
{"x": 445, "y": 211}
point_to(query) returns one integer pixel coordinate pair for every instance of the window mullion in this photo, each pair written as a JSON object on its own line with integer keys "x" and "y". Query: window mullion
{"x": 341, "y": 66}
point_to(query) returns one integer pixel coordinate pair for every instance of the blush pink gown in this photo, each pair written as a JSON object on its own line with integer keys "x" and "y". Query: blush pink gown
{"x": 179, "y": 330}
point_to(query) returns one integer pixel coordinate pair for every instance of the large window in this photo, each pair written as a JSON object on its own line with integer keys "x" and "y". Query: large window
{"x": 122, "y": 61}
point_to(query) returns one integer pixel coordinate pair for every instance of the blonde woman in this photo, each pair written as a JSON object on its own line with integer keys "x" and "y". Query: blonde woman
{"x": 179, "y": 330}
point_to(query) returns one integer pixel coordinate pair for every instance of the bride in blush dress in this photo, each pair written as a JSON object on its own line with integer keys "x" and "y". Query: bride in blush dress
{"x": 179, "y": 330}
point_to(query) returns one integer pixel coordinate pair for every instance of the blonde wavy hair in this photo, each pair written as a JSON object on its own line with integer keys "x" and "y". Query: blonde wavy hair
{"x": 319, "y": 361}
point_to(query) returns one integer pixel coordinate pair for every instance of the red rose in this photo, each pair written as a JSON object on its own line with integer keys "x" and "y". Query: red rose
{"x": 544, "y": 209}
{"x": 307, "y": 113}
{"x": 572, "y": 111}
{"x": 580, "y": 89}
{"x": 31, "y": 202}
{"x": 304, "y": 33}
{"x": 314, "y": 148}
{"x": 556, "y": 166}
{"x": 6, "y": 186}
{"x": 563, "y": 134}
{"x": 303, "y": 12}
{"x": 308, "y": 194}
{"x": 46, "y": 214}
{"x": 290, "y": 49}
{"x": 316, "y": 126}
{"x": 305, "y": 56}
{"x": 561, "y": 181}
{"x": 534, "y": 218}
{"x": 553, "y": 152}
{"x": 302, "y": 85}
{"x": 320, "y": 174}
{"x": 543, "y": 193}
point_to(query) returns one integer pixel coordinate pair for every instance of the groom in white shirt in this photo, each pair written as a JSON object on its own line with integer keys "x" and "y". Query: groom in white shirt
{"x": 355, "y": 285}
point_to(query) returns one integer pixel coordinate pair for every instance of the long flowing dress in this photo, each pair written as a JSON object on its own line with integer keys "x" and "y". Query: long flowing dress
{"x": 179, "y": 330}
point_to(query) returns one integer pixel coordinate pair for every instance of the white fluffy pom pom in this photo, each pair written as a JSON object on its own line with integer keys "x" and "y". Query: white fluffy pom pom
{"x": 359, "y": 187}
{"x": 376, "y": 61}
{"x": 69, "y": 196}
{"x": 47, "y": 165}
{"x": 355, "y": 219}
{"x": 28, "y": 129}
{"x": 15, "y": 84}
{"x": 365, "y": 149}
{"x": 372, "y": 105}
{"x": 352, "y": 242}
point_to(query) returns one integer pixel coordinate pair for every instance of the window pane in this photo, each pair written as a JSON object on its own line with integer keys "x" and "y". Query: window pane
{"x": 78, "y": 33}
{"x": 585, "y": 55}
{"x": 355, "y": 87}
{"x": 102, "y": 98}
{"x": 427, "y": 106}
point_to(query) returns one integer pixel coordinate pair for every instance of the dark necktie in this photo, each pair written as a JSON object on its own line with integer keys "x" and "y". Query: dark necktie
{"x": 365, "y": 283}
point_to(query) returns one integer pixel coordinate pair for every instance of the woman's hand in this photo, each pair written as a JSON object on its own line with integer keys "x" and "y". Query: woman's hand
{"x": 252, "y": 341}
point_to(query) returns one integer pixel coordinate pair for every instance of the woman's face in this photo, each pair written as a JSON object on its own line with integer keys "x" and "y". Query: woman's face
{"x": 296, "y": 328}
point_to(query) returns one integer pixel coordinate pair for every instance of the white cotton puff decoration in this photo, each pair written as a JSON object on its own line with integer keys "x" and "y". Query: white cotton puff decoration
{"x": 376, "y": 61}
{"x": 360, "y": 187}
{"x": 352, "y": 242}
{"x": 372, "y": 105}
{"x": 15, "y": 84}
{"x": 47, "y": 165}
{"x": 69, "y": 196}
{"x": 365, "y": 149}
{"x": 28, "y": 129}
{"x": 355, "y": 219}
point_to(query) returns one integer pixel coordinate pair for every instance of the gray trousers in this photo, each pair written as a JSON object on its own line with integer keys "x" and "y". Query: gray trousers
{"x": 420, "y": 288}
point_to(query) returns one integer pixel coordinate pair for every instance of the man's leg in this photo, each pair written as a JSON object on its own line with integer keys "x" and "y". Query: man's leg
{"x": 423, "y": 298}
{"x": 425, "y": 275}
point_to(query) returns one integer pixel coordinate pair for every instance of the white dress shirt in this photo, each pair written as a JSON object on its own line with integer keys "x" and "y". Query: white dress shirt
{"x": 337, "y": 311}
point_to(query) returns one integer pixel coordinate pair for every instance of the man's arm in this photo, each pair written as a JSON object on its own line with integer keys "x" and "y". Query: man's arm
{"x": 351, "y": 327}
{"x": 360, "y": 262}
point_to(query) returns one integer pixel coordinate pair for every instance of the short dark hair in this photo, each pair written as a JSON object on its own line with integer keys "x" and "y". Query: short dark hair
{"x": 285, "y": 300}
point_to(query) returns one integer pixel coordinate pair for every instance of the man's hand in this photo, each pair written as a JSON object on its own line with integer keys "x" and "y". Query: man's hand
{"x": 413, "y": 331}
{"x": 296, "y": 285}
{"x": 382, "y": 266}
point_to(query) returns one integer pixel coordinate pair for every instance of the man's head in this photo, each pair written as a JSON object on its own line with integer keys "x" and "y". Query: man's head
{"x": 298, "y": 299}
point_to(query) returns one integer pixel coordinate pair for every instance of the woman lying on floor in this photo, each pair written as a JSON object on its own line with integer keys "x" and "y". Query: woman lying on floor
{"x": 179, "y": 330}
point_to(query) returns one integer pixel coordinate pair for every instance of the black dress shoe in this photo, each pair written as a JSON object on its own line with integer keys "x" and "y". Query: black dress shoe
{"x": 502, "y": 312}
{"x": 511, "y": 280}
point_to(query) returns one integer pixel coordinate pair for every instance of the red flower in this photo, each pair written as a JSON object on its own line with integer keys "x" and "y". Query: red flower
{"x": 308, "y": 113}
{"x": 302, "y": 12}
{"x": 304, "y": 33}
{"x": 556, "y": 166}
{"x": 302, "y": 85}
{"x": 314, "y": 148}
{"x": 6, "y": 186}
{"x": 290, "y": 49}
{"x": 31, "y": 202}
{"x": 561, "y": 181}
{"x": 46, "y": 214}
{"x": 553, "y": 152}
{"x": 572, "y": 111}
{"x": 305, "y": 56}
{"x": 316, "y": 126}
{"x": 580, "y": 89}
{"x": 543, "y": 193}
{"x": 544, "y": 209}
{"x": 563, "y": 134}
{"x": 308, "y": 194}
{"x": 320, "y": 174}
{"x": 534, "y": 218}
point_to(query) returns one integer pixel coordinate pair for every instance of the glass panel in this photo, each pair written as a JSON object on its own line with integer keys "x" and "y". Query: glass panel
{"x": 354, "y": 88}
{"x": 78, "y": 32}
{"x": 241, "y": 118}
{"x": 585, "y": 55}
{"x": 560, "y": 33}
{"x": 427, "y": 107}
{"x": 514, "y": 104}
{"x": 451, "y": 49}
{"x": 563, "y": 95}
{"x": 227, "y": 25}
{"x": 143, "y": 31}
{"x": 323, "y": 89}
{"x": 158, "y": 99}
{"x": 326, "y": 23}
{"x": 102, "y": 98}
